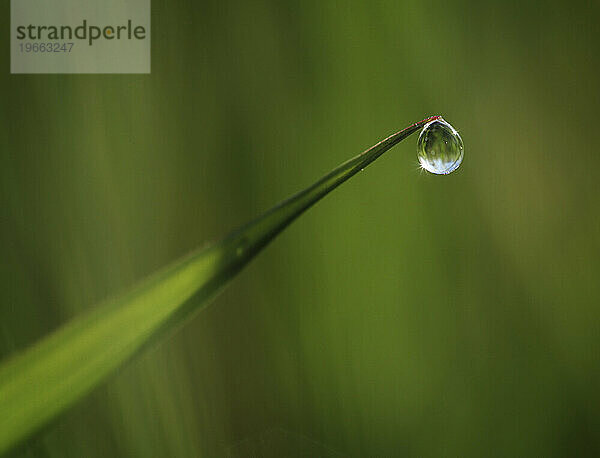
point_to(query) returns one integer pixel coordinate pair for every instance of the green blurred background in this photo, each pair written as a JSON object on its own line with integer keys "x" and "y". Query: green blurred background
{"x": 404, "y": 315}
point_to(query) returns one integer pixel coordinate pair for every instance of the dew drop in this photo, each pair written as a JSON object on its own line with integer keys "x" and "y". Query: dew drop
{"x": 242, "y": 247}
{"x": 440, "y": 148}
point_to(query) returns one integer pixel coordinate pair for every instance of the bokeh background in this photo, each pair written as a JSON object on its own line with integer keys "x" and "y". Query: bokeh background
{"x": 404, "y": 315}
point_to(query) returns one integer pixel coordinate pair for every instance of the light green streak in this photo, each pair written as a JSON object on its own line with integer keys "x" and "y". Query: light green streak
{"x": 50, "y": 376}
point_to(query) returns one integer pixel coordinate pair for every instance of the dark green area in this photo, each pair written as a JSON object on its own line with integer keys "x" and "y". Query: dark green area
{"x": 406, "y": 314}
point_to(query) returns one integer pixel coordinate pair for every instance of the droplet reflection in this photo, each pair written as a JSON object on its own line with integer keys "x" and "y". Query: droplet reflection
{"x": 440, "y": 148}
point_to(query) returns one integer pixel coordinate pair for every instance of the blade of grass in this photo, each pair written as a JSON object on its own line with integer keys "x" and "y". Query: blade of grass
{"x": 50, "y": 376}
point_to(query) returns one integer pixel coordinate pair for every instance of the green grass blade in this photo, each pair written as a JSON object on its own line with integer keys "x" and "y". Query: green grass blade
{"x": 44, "y": 380}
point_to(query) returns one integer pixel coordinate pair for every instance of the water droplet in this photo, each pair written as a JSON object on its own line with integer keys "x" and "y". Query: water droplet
{"x": 440, "y": 148}
{"x": 242, "y": 247}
